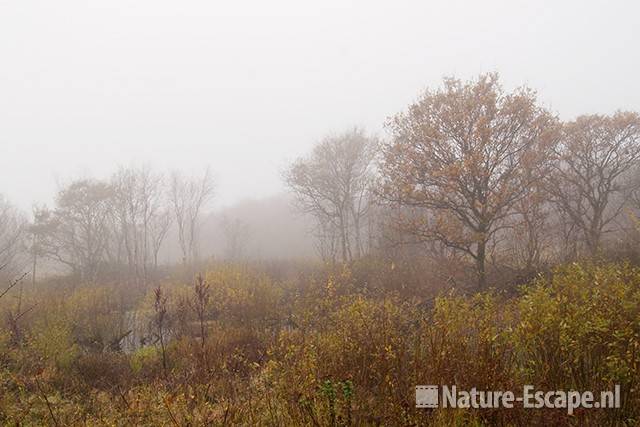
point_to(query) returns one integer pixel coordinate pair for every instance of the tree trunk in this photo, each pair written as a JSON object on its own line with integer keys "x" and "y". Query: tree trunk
{"x": 593, "y": 242}
{"x": 480, "y": 265}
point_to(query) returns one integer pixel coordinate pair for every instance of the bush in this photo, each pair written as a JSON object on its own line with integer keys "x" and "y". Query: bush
{"x": 331, "y": 353}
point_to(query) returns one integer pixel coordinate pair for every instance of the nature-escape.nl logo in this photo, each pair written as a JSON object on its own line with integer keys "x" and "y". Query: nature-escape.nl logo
{"x": 433, "y": 396}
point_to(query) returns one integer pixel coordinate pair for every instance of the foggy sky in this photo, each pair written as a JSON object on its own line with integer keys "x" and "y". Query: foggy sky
{"x": 246, "y": 86}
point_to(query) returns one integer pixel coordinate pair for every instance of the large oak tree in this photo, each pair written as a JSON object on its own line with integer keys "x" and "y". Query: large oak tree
{"x": 465, "y": 154}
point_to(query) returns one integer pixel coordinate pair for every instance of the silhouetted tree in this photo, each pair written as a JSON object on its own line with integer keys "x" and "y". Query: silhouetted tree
{"x": 188, "y": 196}
{"x": 334, "y": 185}
{"x": 80, "y": 227}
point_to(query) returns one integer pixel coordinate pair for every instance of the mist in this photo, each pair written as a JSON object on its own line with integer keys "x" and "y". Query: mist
{"x": 247, "y": 87}
{"x": 319, "y": 214}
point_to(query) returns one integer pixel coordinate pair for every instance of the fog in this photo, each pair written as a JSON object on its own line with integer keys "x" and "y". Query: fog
{"x": 319, "y": 213}
{"x": 86, "y": 86}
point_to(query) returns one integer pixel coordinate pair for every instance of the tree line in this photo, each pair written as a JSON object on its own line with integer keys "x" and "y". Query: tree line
{"x": 474, "y": 172}
{"x": 470, "y": 175}
{"x": 109, "y": 228}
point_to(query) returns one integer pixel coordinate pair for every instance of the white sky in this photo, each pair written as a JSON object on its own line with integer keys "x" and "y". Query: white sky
{"x": 244, "y": 86}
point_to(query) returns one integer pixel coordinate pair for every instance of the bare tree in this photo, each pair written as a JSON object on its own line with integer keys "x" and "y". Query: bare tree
{"x": 188, "y": 196}
{"x": 141, "y": 217}
{"x": 467, "y": 153}
{"x": 589, "y": 184}
{"x": 158, "y": 229}
{"x": 334, "y": 185}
